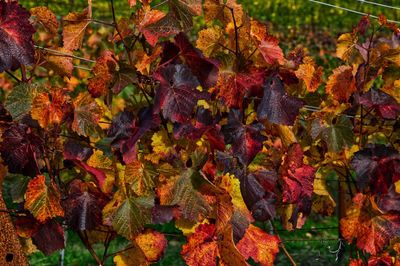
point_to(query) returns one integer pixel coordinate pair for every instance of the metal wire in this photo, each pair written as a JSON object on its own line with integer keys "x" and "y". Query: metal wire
{"x": 379, "y": 4}
{"x": 350, "y": 10}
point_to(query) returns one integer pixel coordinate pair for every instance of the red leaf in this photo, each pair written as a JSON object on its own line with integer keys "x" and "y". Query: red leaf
{"x": 298, "y": 179}
{"x": 49, "y": 237}
{"x": 270, "y": 50}
{"x": 384, "y": 105}
{"x": 16, "y": 46}
{"x": 178, "y": 94}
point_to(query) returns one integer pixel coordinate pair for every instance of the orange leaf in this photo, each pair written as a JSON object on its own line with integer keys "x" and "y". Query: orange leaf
{"x": 259, "y": 245}
{"x": 341, "y": 83}
{"x": 61, "y": 64}
{"x": 46, "y": 17}
{"x": 152, "y": 243}
{"x": 48, "y": 108}
{"x": 310, "y": 75}
{"x": 371, "y": 228}
{"x": 75, "y": 25}
{"x": 103, "y": 74}
{"x": 43, "y": 200}
{"x": 202, "y": 248}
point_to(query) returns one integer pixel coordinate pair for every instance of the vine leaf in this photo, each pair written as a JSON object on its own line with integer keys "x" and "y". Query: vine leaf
{"x": 83, "y": 206}
{"x": 48, "y": 108}
{"x": 276, "y": 106}
{"x": 47, "y": 18}
{"x": 346, "y": 46}
{"x": 246, "y": 140}
{"x": 156, "y": 24}
{"x": 131, "y": 215}
{"x": 184, "y": 10}
{"x": 103, "y": 71}
{"x": 61, "y": 64}
{"x": 49, "y": 237}
{"x": 75, "y": 25}
{"x": 87, "y": 114}
{"x": 16, "y": 47}
{"x": 43, "y": 200}
{"x": 298, "y": 178}
{"x": 376, "y": 166}
{"x": 371, "y": 228}
{"x": 201, "y": 246}
{"x": 177, "y": 94}
{"x": 311, "y": 75}
{"x": 19, "y": 102}
{"x": 180, "y": 191}
{"x": 140, "y": 176}
{"x": 21, "y": 149}
{"x": 341, "y": 84}
{"x": 259, "y": 246}
{"x": 384, "y": 105}
{"x": 338, "y": 134}
{"x": 270, "y": 50}
{"x": 152, "y": 243}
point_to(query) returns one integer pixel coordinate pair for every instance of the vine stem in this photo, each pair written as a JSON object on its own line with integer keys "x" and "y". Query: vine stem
{"x": 283, "y": 245}
{"x": 84, "y": 238}
{"x": 13, "y": 76}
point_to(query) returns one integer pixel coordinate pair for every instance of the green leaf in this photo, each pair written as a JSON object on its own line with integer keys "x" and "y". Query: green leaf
{"x": 19, "y": 101}
{"x": 338, "y": 134}
{"x": 188, "y": 198}
{"x": 131, "y": 216}
{"x": 16, "y": 185}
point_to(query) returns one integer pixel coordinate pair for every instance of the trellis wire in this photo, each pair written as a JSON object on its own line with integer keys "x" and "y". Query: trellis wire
{"x": 379, "y": 4}
{"x": 350, "y": 10}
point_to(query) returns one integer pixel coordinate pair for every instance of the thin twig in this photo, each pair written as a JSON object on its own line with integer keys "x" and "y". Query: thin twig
{"x": 64, "y": 54}
{"x": 283, "y": 246}
{"x": 13, "y": 76}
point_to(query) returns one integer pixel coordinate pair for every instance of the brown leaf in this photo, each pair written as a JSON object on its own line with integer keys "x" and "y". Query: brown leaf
{"x": 48, "y": 108}
{"x": 103, "y": 71}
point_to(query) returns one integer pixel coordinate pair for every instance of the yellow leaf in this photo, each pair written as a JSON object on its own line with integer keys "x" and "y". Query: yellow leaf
{"x": 346, "y": 46}
{"x": 101, "y": 162}
{"x": 208, "y": 40}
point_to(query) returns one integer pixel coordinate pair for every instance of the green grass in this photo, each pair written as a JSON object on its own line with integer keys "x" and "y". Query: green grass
{"x": 307, "y": 247}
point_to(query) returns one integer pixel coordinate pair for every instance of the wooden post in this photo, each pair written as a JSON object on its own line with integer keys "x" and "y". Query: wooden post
{"x": 11, "y": 252}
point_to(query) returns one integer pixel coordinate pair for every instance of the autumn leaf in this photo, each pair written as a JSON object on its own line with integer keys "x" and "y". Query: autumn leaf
{"x": 43, "y": 200}
{"x": 180, "y": 191}
{"x": 60, "y": 64}
{"x": 140, "y": 176}
{"x": 103, "y": 75}
{"x": 384, "y": 105}
{"x": 257, "y": 190}
{"x": 259, "y": 246}
{"x": 74, "y": 28}
{"x": 184, "y": 10}
{"x": 47, "y": 18}
{"x": 131, "y": 215}
{"x": 208, "y": 40}
{"x": 133, "y": 256}
{"x": 297, "y": 177}
{"x": 376, "y": 166}
{"x": 48, "y": 108}
{"x": 234, "y": 86}
{"x": 21, "y": 149}
{"x": 152, "y": 243}
{"x": 83, "y": 206}
{"x": 201, "y": 247}
{"x": 311, "y": 75}
{"x": 103, "y": 169}
{"x": 19, "y": 101}
{"x": 156, "y": 24}
{"x": 346, "y": 46}
{"x": 270, "y": 50}
{"x": 341, "y": 84}
{"x": 338, "y": 134}
{"x": 86, "y": 115}
{"x": 177, "y": 94}
{"x": 370, "y": 228}
{"x": 16, "y": 47}
{"x": 323, "y": 202}
{"x": 49, "y": 237}
{"x": 246, "y": 140}
{"x": 276, "y": 106}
